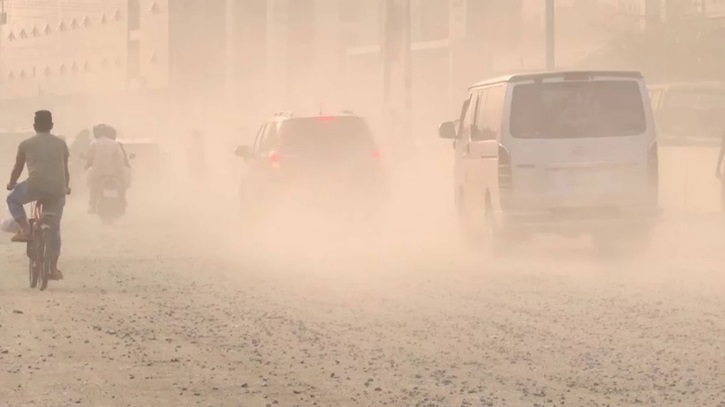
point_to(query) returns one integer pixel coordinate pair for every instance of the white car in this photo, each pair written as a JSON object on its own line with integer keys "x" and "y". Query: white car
{"x": 567, "y": 153}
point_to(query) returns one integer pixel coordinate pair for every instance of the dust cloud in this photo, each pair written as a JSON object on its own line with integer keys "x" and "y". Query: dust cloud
{"x": 185, "y": 300}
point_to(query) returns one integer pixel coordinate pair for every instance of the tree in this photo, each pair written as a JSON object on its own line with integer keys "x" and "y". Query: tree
{"x": 682, "y": 50}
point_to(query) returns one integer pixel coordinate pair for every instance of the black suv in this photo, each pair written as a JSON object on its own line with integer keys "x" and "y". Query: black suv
{"x": 328, "y": 163}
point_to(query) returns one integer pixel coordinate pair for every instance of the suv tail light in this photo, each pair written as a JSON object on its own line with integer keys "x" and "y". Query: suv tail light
{"x": 274, "y": 159}
{"x": 653, "y": 173}
{"x": 505, "y": 178}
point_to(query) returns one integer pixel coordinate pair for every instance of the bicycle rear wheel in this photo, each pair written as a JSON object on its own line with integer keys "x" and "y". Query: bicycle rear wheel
{"x": 43, "y": 260}
{"x": 33, "y": 273}
{"x": 32, "y": 253}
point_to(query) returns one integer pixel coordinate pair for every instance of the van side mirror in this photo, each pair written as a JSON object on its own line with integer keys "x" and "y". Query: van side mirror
{"x": 447, "y": 130}
{"x": 242, "y": 152}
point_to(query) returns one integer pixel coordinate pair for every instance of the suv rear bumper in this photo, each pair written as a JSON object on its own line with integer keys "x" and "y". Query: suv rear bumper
{"x": 580, "y": 221}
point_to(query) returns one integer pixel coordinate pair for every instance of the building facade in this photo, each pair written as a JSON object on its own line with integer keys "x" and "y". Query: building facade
{"x": 78, "y": 58}
{"x": 241, "y": 56}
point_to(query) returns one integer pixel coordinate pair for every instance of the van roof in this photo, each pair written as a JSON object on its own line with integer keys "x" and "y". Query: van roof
{"x": 553, "y": 74}
{"x": 689, "y": 85}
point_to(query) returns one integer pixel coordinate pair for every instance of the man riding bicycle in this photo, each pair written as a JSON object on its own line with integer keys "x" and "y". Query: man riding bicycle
{"x": 46, "y": 157}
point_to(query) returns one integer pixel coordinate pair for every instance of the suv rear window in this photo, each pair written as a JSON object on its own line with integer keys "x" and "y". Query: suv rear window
{"x": 320, "y": 135}
{"x": 577, "y": 109}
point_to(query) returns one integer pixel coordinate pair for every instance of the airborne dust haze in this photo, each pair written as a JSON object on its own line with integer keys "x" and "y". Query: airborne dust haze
{"x": 178, "y": 303}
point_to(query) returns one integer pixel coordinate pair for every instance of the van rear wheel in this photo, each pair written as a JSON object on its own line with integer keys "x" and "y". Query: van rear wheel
{"x": 482, "y": 235}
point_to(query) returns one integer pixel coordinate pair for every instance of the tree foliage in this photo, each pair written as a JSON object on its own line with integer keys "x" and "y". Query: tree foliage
{"x": 684, "y": 50}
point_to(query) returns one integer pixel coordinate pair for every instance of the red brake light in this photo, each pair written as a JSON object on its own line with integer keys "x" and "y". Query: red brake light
{"x": 376, "y": 154}
{"x": 274, "y": 159}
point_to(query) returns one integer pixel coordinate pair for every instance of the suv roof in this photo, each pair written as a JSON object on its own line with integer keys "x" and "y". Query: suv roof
{"x": 554, "y": 74}
{"x": 282, "y": 116}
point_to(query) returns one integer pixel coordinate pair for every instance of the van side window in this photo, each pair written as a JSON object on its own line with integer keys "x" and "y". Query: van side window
{"x": 270, "y": 138}
{"x": 467, "y": 117}
{"x": 489, "y": 113}
{"x": 258, "y": 139}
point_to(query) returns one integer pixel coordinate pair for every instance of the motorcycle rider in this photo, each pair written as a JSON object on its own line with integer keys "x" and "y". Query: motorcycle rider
{"x": 105, "y": 158}
{"x": 112, "y": 134}
{"x": 46, "y": 157}
{"x": 126, "y": 160}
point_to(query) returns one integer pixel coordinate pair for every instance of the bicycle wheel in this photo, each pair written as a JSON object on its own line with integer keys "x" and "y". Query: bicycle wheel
{"x": 43, "y": 260}
{"x": 32, "y": 252}
{"x": 33, "y": 273}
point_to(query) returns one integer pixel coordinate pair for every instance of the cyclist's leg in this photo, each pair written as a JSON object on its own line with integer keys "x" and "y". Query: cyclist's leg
{"x": 16, "y": 199}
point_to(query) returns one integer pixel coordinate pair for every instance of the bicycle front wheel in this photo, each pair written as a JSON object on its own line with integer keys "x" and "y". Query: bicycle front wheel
{"x": 43, "y": 260}
{"x": 32, "y": 253}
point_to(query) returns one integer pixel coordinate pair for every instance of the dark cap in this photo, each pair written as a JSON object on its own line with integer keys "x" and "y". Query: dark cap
{"x": 43, "y": 117}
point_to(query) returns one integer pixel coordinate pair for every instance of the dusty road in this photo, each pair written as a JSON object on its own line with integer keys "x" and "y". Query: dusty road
{"x": 155, "y": 311}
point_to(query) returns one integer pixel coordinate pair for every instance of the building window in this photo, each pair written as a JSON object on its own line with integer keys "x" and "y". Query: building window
{"x": 11, "y": 76}
{"x": 74, "y": 68}
{"x": 11, "y": 36}
{"x": 47, "y": 71}
{"x": 434, "y": 20}
{"x": 104, "y": 64}
{"x": 35, "y": 32}
{"x": 117, "y": 15}
{"x": 134, "y": 14}
{"x": 155, "y": 9}
{"x": 86, "y": 22}
{"x": 62, "y": 26}
{"x": 63, "y": 70}
{"x": 23, "y": 34}
{"x": 362, "y": 19}
{"x": 104, "y": 19}
{"x": 46, "y": 30}
{"x": 74, "y": 24}
{"x": 86, "y": 67}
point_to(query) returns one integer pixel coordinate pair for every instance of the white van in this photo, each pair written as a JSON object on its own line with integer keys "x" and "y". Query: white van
{"x": 567, "y": 153}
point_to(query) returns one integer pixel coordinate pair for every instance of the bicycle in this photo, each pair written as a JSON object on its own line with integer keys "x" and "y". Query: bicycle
{"x": 39, "y": 266}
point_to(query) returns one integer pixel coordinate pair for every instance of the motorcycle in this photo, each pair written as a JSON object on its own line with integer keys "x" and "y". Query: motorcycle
{"x": 111, "y": 203}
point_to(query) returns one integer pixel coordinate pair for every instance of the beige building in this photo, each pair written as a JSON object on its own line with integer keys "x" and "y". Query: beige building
{"x": 89, "y": 47}
{"x": 91, "y": 57}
